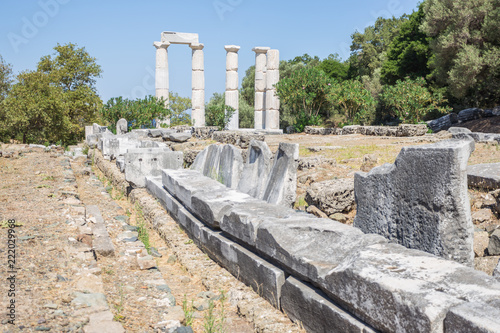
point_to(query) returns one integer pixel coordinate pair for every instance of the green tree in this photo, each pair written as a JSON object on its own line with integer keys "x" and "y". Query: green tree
{"x": 368, "y": 48}
{"x": 5, "y": 78}
{"x": 247, "y": 90}
{"x": 466, "y": 49}
{"x": 353, "y": 100}
{"x": 246, "y": 114}
{"x": 139, "y": 113}
{"x": 217, "y": 113}
{"x": 73, "y": 70}
{"x": 334, "y": 67}
{"x": 409, "y": 52}
{"x": 178, "y": 106}
{"x": 35, "y": 110}
{"x": 411, "y": 101}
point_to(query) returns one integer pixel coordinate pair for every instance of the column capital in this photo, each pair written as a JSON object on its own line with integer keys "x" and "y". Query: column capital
{"x": 261, "y": 49}
{"x": 196, "y": 46}
{"x": 160, "y": 45}
{"x": 232, "y": 48}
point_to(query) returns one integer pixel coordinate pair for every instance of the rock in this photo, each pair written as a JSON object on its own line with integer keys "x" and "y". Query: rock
{"x": 145, "y": 262}
{"x": 282, "y": 182}
{"x": 470, "y": 114}
{"x": 339, "y": 217}
{"x": 172, "y": 259}
{"x": 237, "y": 138}
{"x": 256, "y": 170}
{"x": 179, "y": 137}
{"x": 314, "y": 162}
{"x": 496, "y": 195}
{"x": 190, "y": 156}
{"x": 332, "y": 196}
{"x": 102, "y": 243}
{"x": 456, "y": 130}
{"x": 121, "y": 126}
{"x": 89, "y": 284}
{"x": 174, "y": 313}
{"x": 486, "y": 264}
{"x": 411, "y": 130}
{"x": 494, "y": 244}
{"x": 496, "y": 272}
{"x": 315, "y": 211}
{"x": 482, "y": 215}
{"x": 154, "y": 252}
{"x": 290, "y": 130}
{"x": 103, "y": 322}
{"x": 443, "y": 123}
{"x": 369, "y": 162}
{"x": 431, "y": 216}
{"x": 128, "y": 236}
{"x": 230, "y": 166}
{"x": 204, "y": 133}
{"x": 484, "y": 176}
{"x": 313, "y": 130}
{"x": 97, "y": 301}
{"x": 481, "y": 239}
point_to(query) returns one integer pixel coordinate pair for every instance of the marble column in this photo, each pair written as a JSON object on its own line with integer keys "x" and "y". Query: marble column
{"x": 232, "y": 93}
{"x": 260, "y": 86}
{"x": 198, "y": 85}
{"x": 272, "y": 101}
{"x": 161, "y": 76}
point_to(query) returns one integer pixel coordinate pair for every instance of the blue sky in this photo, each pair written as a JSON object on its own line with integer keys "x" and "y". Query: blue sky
{"x": 120, "y": 34}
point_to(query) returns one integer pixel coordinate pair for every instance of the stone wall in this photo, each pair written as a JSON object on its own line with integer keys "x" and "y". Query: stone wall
{"x": 402, "y": 130}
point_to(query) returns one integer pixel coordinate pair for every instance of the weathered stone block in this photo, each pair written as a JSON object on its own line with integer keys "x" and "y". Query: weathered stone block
{"x": 332, "y": 196}
{"x": 315, "y": 311}
{"x": 230, "y": 166}
{"x": 484, "y": 176}
{"x": 395, "y": 289}
{"x": 211, "y": 166}
{"x": 421, "y": 200}
{"x": 256, "y": 170}
{"x": 121, "y": 126}
{"x": 101, "y": 242}
{"x": 411, "y": 130}
{"x": 282, "y": 182}
{"x": 473, "y": 317}
{"x": 242, "y": 220}
{"x": 470, "y": 114}
{"x": 443, "y": 123}
{"x": 142, "y": 162}
{"x": 199, "y": 161}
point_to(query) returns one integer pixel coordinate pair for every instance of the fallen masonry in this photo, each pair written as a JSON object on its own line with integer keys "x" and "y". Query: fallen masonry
{"x": 328, "y": 275}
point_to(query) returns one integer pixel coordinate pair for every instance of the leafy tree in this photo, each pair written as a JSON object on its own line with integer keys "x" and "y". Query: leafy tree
{"x": 353, "y": 100}
{"x": 466, "y": 48}
{"x": 36, "y": 110}
{"x": 369, "y": 48}
{"x": 409, "y": 51}
{"x": 178, "y": 106}
{"x": 247, "y": 90}
{"x": 246, "y": 114}
{"x": 411, "y": 101}
{"x": 140, "y": 113}
{"x": 306, "y": 60}
{"x": 5, "y": 78}
{"x": 217, "y": 113}
{"x": 75, "y": 72}
{"x": 334, "y": 67}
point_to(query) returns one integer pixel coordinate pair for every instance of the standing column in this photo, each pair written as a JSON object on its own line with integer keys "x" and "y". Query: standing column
{"x": 260, "y": 86}
{"x": 198, "y": 86}
{"x": 272, "y": 101}
{"x": 232, "y": 94}
{"x": 161, "y": 76}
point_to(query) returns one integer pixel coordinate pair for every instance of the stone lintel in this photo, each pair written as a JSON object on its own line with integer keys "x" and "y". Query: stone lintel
{"x": 179, "y": 37}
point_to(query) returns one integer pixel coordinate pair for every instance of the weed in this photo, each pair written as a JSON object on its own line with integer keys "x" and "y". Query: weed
{"x": 5, "y": 224}
{"x": 108, "y": 271}
{"x": 141, "y": 227}
{"x": 189, "y": 241}
{"x": 188, "y": 311}
{"x": 44, "y": 186}
{"x": 214, "y": 323}
{"x": 85, "y": 150}
{"x": 48, "y": 178}
{"x": 119, "y": 307}
{"x": 128, "y": 213}
{"x": 301, "y": 202}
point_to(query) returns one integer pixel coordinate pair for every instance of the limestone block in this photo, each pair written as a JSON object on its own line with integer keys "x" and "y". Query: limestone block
{"x": 198, "y": 99}
{"x": 272, "y": 120}
{"x": 443, "y": 123}
{"x": 198, "y": 80}
{"x": 161, "y": 79}
{"x": 155, "y": 187}
{"x": 496, "y": 271}
{"x": 411, "y": 130}
{"x": 272, "y": 77}
{"x": 272, "y": 102}
{"x": 121, "y": 126}
{"x": 143, "y": 162}
{"x": 99, "y": 129}
{"x": 260, "y": 58}
{"x": 197, "y": 57}
{"x": 179, "y": 37}
{"x": 273, "y": 59}
{"x": 241, "y": 221}
{"x": 210, "y": 206}
{"x": 211, "y": 166}
{"x": 456, "y": 130}
{"x": 232, "y": 99}
{"x": 351, "y": 129}
{"x": 484, "y": 175}
{"x": 231, "y": 80}
{"x": 260, "y": 81}
{"x": 232, "y": 57}
{"x": 259, "y": 119}
{"x": 110, "y": 147}
{"x": 101, "y": 242}
{"x": 473, "y": 317}
{"x": 120, "y": 163}
{"x": 421, "y": 200}
{"x": 179, "y": 136}
{"x": 282, "y": 184}
{"x": 260, "y": 103}
{"x": 332, "y": 196}
{"x": 88, "y": 131}
{"x": 309, "y": 247}
{"x": 395, "y": 289}
{"x": 199, "y": 161}
{"x": 256, "y": 169}
{"x": 92, "y": 140}
{"x": 230, "y": 166}
{"x": 315, "y": 311}
{"x": 265, "y": 278}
